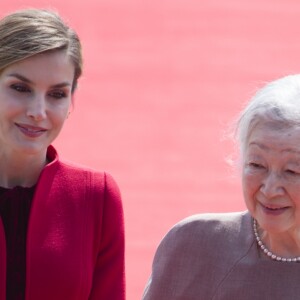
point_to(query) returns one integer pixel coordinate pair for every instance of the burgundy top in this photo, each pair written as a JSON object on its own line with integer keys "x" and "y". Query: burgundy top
{"x": 14, "y": 211}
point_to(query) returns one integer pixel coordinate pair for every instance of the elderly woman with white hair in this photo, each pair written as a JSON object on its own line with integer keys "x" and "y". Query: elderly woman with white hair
{"x": 253, "y": 254}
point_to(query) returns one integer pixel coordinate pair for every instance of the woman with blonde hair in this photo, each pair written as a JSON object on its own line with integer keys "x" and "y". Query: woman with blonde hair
{"x": 61, "y": 225}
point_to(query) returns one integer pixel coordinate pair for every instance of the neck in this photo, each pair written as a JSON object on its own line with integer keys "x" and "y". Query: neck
{"x": 19, "y": 169}
{"x": 286, "y": 244}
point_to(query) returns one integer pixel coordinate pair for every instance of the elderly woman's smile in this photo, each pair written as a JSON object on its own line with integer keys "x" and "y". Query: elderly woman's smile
{"x": 271, "y": 180}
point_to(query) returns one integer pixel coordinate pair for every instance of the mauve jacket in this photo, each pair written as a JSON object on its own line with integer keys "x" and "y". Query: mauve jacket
{"x": 216, "y": 257}
{"x": 75, "y": 238}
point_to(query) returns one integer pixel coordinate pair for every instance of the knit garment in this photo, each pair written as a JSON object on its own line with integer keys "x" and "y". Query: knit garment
{"x": 14, "y": 210}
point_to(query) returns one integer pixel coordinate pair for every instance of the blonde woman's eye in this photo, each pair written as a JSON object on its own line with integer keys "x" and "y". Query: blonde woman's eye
{"x": 58, "y": 94}
{"x": 20, "y": 88}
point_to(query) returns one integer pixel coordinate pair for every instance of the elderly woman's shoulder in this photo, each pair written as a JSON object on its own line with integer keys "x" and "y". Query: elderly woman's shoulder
{"x": 211, "y": 228}
{"x": 217, "y": 222}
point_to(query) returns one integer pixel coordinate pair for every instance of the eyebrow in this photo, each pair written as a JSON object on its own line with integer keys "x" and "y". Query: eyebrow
{"x": 24, "y": 79}
{"x": 263, "y": 147}
{"x": 259, "y": 145}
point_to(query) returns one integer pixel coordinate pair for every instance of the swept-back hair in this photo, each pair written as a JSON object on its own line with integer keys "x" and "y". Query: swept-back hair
{"x": 28, "y": 32}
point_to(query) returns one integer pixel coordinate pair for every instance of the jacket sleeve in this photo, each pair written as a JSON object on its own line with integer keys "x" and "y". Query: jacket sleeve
{"x": 109, "y": 272}
{"x": 181, "y": 265}
{"x": 197, "y": 254}
{"x": 167, "y": 269}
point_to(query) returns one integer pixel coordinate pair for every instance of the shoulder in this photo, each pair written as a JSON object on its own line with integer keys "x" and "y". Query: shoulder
{"x": 97, "y": 181}
{"x": 58, "y": 165}
{"x": 197, "y": 253}
{"x": 210, "y": 224}
{"x": 95, "y": 177}
{"x": 217, "y": 220}
{"x": 72, "y": 167}
{"x": 77, "y": 178}
{"x": 200, "y": 235}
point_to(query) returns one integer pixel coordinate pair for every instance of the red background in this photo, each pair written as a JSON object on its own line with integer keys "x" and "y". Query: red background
{"x": 162, "y": 80}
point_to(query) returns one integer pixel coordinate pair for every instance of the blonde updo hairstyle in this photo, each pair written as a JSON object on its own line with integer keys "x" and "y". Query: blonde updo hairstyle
{"x": 28, "y": 32}
{"x": 277, "y": 103}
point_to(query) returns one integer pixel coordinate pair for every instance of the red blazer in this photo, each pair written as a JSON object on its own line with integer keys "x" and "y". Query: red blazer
{"x": 75, "y": 238}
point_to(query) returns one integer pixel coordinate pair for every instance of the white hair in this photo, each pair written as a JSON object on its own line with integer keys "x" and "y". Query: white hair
{"x": 277, "y": 102}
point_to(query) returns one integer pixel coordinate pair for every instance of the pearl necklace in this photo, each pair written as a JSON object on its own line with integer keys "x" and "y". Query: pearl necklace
{"x": 267, "y": 251}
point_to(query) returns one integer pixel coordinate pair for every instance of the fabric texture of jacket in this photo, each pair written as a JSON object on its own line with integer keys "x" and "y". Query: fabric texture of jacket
{"x": 216, "y": 257}
{"x": 75, "y": 236}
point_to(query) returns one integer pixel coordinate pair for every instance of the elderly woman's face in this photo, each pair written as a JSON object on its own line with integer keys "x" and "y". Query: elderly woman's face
{"x": 271, "y": 177}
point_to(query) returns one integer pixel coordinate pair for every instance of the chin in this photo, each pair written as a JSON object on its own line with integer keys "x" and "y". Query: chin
{"x": 31, "y": 149}
{"x": 274, "y": 226}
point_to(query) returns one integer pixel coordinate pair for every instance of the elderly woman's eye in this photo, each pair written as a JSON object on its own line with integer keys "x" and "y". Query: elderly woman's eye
{"x": 255, "y": 165}
{"x": 291, "y": 172}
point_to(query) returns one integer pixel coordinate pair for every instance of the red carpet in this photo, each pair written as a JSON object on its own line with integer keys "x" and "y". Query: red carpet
{"x": 161, "y": 81}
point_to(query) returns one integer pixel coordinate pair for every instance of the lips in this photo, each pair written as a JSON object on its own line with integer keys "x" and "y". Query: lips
{"x": 31, "y": 131}
{"x": 274, "y": 210}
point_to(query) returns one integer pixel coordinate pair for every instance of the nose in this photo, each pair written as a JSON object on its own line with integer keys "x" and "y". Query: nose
{"x": 37, "y": 109}
{"x": 272, "y": 185}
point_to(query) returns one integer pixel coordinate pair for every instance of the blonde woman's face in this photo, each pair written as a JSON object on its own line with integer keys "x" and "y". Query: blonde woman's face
{"x": 35, "y": 98}
{"x": 271, "y": 177}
